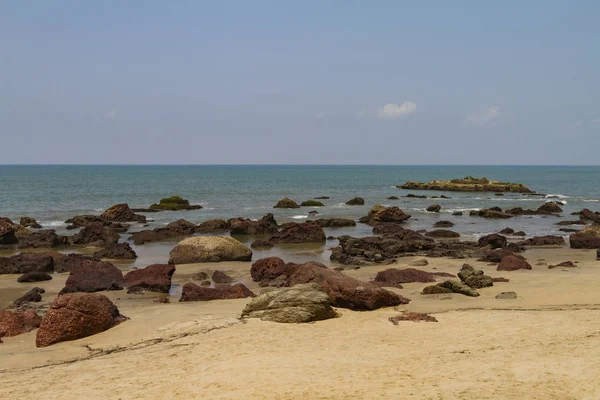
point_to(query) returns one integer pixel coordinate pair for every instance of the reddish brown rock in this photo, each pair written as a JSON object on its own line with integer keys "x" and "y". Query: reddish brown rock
{"x": 26, "y": 262}
{"x": 443, "y": 224}
{"x": 588, "y": 238}
{"x": 267, "y": 268}
{"x": 121, "y": 213}
{"x": 212, "y": 225}
{"x": 496, "y": 255}
{"x": 34, "y": 295}
{"x": 90, "y": 275}
{"x": 13, "y": 323}
{"x": 394, "y": 276}
{"x": 412, "y": 316}
{"x": 42, "y": 239}
{"x": 494, "y": 240}
{"x": 77, "y": 315}
{"x": 221, "y": 277}
{"x": 95, "y": 234}
{"x": 153, "y": 278}
{"x": 117, "y": 251}
{"x": 442, "y": 234}
{"x": 334, "y": 222}
{"x": 512, "y": 263}
{"x": 299, "y": 233}
{"x": 34, "y": 277}
{"x": 500, "y": 279}
{"x": 243, "y": 226}
{"x": 564, "y": 264}
{"x": 8, "y": 231}
{"x": 193, "y": 292}
{"x": 548, "y": 240}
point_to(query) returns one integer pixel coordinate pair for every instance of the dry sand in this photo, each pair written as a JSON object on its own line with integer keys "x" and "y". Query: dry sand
{"x": 543, "y": 345}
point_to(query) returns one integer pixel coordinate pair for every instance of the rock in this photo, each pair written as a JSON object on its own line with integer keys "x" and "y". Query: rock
{"x": 343, "y": 291}
{"x": 183, "y": 226}
{"x": 153, "y": 278}
{"x": 43, "y": 239}
{"x": 419, "y": 263}
{"x": 415, "y": 196}
{"x": 576, "y": 222}
{"x": 474, "y": 278}
{"x": 587, "y": 238}
{"x": 95, "y": 234}
{"x": 386, "y": 228}
{"x": 118, "y": 251}
{"x": 380, "y": 214}
{"x": 494, "y": 240}
{"x": 457, "y": 213}
{"x": 451, "y": 287}
{"x": 13, "y": 323}
{"x": 200, "y": 276}
{"x": 507, "y": 231}
{"x": 394, "y": 277}
{"x": 286, "y": 203}
{"x": 506, "y": 296}
{"x": 492, "y": 213}
{"x": 243, "y": 226}
{"x": 468, "y": 184}
{"x": 549, "y": 208}
{"x": 193, "y": 292}
{"x": 209, "y": 249}
{"x": 548, "y": 240}
{"x": 565, "y": 264}
{"x": 8, "y": 231}
{"x": 34, "y": 277}
{"x": 334, "y": 222}
{"x": 598, "y": 255}
{"x": 299, "y": 233}
{"x": 512, "y": 263}
{"x": 90, "y": 275}
{"x": 356, "y": 201}
{"x": 514, "y": 247}
{"x": 312, "y": 203}
{"x": 568, "y": 230}
{"x": 412, "y": 316}
{"x": 221, "y": 277}
{"x": 393, "y": 198}
{"x": 212, "y": 225}
{"x": 80, "y": 221}
{"x": 442, "y": 233}
{"x": 298, "y": 304}
{"x": 65, "y": 263}
{"x": 267, "y": 269}
{"x": 322, "y": 198}
{"x": 434, "y": 208}
{"x": 261, "y": 244}
{"x": 443, "y": 224}
{"x": 174, "y": 203}
{"x": 121, "y": 213}
{"x": 26, "y": 262}
{"x": 495, "y": 256}
{"x": 155, "y": 235}
{"x": 29, "y": 222}
{"x": 500, "y": 279}
{"x": 34, "y": 295}
{"x": 587, "y": 215}
{"x": 77, "y": 315}
{"x": 519, "y": 233}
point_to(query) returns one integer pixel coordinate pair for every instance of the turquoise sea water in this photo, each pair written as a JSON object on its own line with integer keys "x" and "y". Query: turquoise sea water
{"x": 52, "y": 194}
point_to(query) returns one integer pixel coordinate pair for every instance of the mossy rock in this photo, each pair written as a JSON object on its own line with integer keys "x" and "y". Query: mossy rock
{"x": 357, "y": 201}
{"x": 286, "y": 203}
{"x": 174, "y": 203}
{"x": 312, "y": 203}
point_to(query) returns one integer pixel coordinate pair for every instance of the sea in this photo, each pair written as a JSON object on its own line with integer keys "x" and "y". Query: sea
{"x": 53, "y": 193}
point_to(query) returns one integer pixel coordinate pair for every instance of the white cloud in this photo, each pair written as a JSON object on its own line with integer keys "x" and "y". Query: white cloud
{"x": 394, "y": 111}
{"x": 485, "y": 117}
{"x": 110, "y": 114}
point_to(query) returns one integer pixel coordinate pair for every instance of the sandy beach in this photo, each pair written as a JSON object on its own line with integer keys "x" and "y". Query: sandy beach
{"x": 542, "y": 345}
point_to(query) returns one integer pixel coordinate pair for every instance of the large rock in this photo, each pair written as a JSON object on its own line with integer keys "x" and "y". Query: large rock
{"x": 587, "y": 238}
{"x": 443, "y": 224}
{"x": 379, "y": 214}
{"x": 43, "y": 239}
{"x": 286, "y": 203}
{"x": 512, "y": 263}
{"x": 468, "y": 184}
{"x": 356, "y": 201}
{"x": 33, "y": 295}
{"x": 26, "y": 262}
{"x": 90, "y": 275}
{"x": 8, "y": 231}
{"x": 267, "y": 269}
{"x": 312, "y": 203}
{"x": 95, "y": 234}
{"x": 334, "y": 222}
{"x": 29, "y": 222}
{"x": 67, "y": 262}
{"x": 13, "y": 323}
{"x": 193, "y": 292}
{"x": 494, "y": 240}
{"x": 174, "y": 203}
{"x": 118, "y": 251}
{"x": 434, "y": 208}
{"x": 213, "y": 225}
{"x": 299, "y": 233}
{"x": 549, "y": 208}
{"x": 175, "y": 229}
{"x": 221, "y": 277}
{"x": 548, "y": 240}
{"x": 442, "y": 234}
{"x": 244, "y": 226}
{"x": 474, "y": 278}
{"x": 77, "y": 315}
{"x": 588, "y": 215}
{"x": 496, "y": 255}
{"x": 451, "y": 287}
{"x": 209, "y": 249}
{"x": 387, "y": 228}
{"x": 79, "y": 221}
{"x": 393, "y": 276}
{"x": 297, "y": 304}
{"x": 153, "y": 278}
{"x": 343, "y": 291}
{"x": 34, "y": 277}
{"x": 121, "y": 213}
{"x": 493, "y": 213}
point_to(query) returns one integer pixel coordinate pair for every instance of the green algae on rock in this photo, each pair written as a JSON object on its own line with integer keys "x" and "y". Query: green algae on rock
{"x": 174, "y": 203}
{"x": 468, "y": 184}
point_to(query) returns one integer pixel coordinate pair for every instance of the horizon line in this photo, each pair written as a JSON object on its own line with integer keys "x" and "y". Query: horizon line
{"x": 290, "y": 165}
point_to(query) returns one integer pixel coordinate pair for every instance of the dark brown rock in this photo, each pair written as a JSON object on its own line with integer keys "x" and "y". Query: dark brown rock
{"x": 26, "y": 262}
{"x": 394, "y": 276}
{"x": 13, "y": 323}
{"x": 267, "y": 269}
{"x": 334, "y": 222}
{"x": 434, "y": 208}
{"x": 548, "y": 240}
{"x": 512, "y": 263}
{"x": 549, "y": 208}
{"x": 43, "y": 239}
{"x": 90, "y": 275}
{"x": 34, "y": 295}
{"x": 588, "y": 238}
{"x": 356, "y": 201}
{"x": 221, "y": 277}
{"x": 153, "y": 278}
{"x": 500, "y": 279}
{"x": 118, "y": 251}
{"x": 29, "y": 222}
{"x": 34, "y": 277}
{"x": 386, "y": 228}
{"x": 213, "y": 225}
{"x": 564, "y": 264}
{"x": 442, "y": 233}
{"x": 8, "y": 231}
{"x": 495, "y": 256}
{"x": 507, "y": 231}
{"x": 243, "y": 226}
{"x": 412, "y": 316}
{"x": 261, "y": 244}
{"x": 77, "y": 315}
{"x": 193, "y": 292}
{"x": 299, "y": 233}
{"x": 66, "y": 262}
{"x": 494, "y": 240}
{"x": 443, "y": 224}
{"x": 95, "y": 234}
{"x": 380, "y": 214}
{"x": 121, "y": 213}
{"x": 286, "y": 203}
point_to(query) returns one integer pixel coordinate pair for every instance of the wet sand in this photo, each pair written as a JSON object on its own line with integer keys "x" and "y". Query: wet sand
{"x": 543, "y": 345}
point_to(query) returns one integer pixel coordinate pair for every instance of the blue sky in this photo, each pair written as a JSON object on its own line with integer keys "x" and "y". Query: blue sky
{"x": 302, "y": 82}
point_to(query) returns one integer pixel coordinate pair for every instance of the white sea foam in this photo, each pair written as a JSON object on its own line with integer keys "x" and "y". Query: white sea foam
{"x": 591, "y": 200}
{"x": 53, "y": 223}
{"x": 299, "y": 217}
{"x": 557, "y": 196}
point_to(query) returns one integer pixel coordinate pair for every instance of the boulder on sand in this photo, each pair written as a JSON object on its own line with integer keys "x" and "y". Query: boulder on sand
{"x": 209, "y": 249}
{"x": 34, "y": 277}
{"x": 286, "y": 203}
{"x": 268, "y": 268}
{"x": 91, "y": 275}
{"x": 95, "y": 234}
{"x": 548, "y": 240}
{"x": 451, "y": 287}
{"x": 513, "y": 263}
{"x": 117, "y": 251}
{"x": 394, "y": 276}
{"x": 26, "y": 262}
{"x": 297, "y": 304}
{"x": 412, "y": 316}
{"x": 121, "y": 213}
{"x": 193, "y": 292}
{"x": 153, "y": 278}
{"x": 494, "y": 240}
{"x": 587, "y": 238}
{"x": 77, "y": 315}
{"x": 13, "y": 323}
{"x": 474, "y": 278}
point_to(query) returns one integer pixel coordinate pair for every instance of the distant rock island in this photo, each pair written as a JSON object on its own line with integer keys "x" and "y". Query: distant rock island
{"x": 468, "y": 184}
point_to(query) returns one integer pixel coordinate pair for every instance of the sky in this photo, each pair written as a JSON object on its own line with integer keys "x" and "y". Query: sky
{"x": 299, "y": 82}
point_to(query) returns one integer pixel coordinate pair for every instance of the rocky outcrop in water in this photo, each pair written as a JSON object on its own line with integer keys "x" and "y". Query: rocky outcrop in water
{"x": 468, "y": 184}
{"x": 43, "y": 239}
{"x": 548, "y": 240}
{"x": 243, "y": 226}
{"x": 356, "y": 201}
{"x": 299, "y": 233}
{"x": 380, "y": 214}
{"x": 286, "y": 203}
{"x": 121, "y": 213}
{"x": 26, "y": 262}
{"x": 494, "y": 240}
{"x": 334, "y": 222}
{"x": 174, "y": 203}
{"x": 118, "y": 251}
{"x": 95, "y": 234}
{"x": 29, "y": 222}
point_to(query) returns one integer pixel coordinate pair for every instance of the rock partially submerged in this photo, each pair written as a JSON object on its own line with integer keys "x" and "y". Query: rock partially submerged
{"x": 117, "y": 251}
{"x": 380, "y": 214}
{"x": 297, "y": 304}
{"x": 173, "y": 230}
{"x": 434, "y": 208}
{"x": 442, "y": 234}
{"x": 153, "y": 278}
{"x": 26, "y": 262}
{"x": 334, "y": 222}
{"x": 77, "y": 315}
{"x": 312, "y": 203}
{"x": 42, "y": 239}
{"x": 356, "y": 201}
{"x": 299, "y": 233}
{"x": 201, "y": 249}
{"x": 97, "y": 235}
{"x": 29, "y": 222}
{"x": 121, "y": 213}
{"x": 174, "y": 203}
{"x": 468, "y": 184}
{"x": 243, "y": 226}
{"x": 286, "y": 203}
{"x": 494, "y": 240}
{"x": 548, "y": 240}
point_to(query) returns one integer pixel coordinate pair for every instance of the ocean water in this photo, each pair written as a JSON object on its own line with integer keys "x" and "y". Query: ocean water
{"x": 52, "y": 194}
